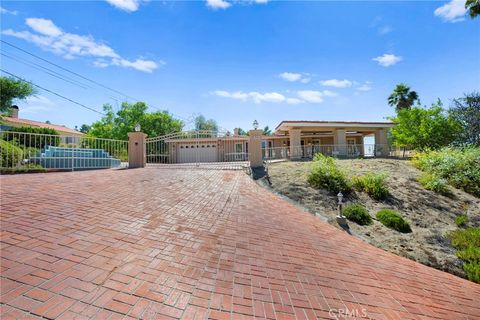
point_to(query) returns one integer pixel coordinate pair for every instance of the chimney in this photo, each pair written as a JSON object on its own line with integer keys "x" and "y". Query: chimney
{"x": 236, "y": 131}
{"x": 14, "y": 112}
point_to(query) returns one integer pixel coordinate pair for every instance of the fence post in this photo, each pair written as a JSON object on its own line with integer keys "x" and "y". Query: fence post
{"x": 137, "y": 153}
{"x": 255, "y": 148}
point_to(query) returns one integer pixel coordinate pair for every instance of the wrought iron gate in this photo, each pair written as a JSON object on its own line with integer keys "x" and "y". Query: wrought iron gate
{"x": 206, "y": 149}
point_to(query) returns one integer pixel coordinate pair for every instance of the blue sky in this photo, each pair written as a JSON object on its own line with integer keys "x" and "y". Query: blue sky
{"x": 239, "y": 61}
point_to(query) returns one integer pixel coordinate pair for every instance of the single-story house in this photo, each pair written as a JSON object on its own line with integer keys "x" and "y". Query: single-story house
{"x": 13, "y": 121}
{"x": 292, "y": 139}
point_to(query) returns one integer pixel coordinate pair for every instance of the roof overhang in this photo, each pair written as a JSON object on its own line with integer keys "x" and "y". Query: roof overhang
{"x": 329, "y": 125}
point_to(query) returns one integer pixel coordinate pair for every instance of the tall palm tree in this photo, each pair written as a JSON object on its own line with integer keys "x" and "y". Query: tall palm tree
{"x": 473, "y": 7}
{"x": 402, "y": 97}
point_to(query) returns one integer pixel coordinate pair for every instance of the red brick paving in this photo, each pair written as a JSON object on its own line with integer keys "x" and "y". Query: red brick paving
{"x": 197, "y": 244}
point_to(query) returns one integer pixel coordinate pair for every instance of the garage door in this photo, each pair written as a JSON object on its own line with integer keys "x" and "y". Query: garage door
{"x": 201, "y": 152}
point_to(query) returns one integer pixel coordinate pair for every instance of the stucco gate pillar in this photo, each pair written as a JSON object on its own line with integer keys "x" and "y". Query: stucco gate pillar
{"x": 137, "y": 153}
{"x": 255, "y": 148}
{"x": 295, "y": 144}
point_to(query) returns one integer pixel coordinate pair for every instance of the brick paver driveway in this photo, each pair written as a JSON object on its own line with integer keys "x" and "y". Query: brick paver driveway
{"x": 180, "y": 243}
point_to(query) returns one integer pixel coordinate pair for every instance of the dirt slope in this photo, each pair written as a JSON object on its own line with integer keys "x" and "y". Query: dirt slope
{"x": 431, "y": 215}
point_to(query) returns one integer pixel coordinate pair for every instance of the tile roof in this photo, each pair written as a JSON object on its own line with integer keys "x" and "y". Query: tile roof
{"x": 32, "y": 123}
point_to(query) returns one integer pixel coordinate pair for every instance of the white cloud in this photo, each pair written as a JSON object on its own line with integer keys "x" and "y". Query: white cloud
{"x": 311, "y": 96}
{"x": 294, "y": 76}
{"x": 337, "y": 83}
{"x": 454, "y": 11}
{"x": 275, "y": 97}
{"x": 384, "y": 30}
{"x": 125, "y": 5}
{"x": 6, "y": 11}
{"x": 70, "y": 46}
{"x": 36, "y": 104}
{"x": 224, "y": 4}
{"x": 294, "y": 101}
{"x": 218, "y": 4}
{"x": 387, "y": 60}
{"x": 364, "y": 87}
{"x": 44, "y": 26}
{"x": 290, "y": 76}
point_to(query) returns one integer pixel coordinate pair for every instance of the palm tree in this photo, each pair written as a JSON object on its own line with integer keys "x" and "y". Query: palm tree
{"x": 402, "y": 97}
{"x": 473, "y": 6}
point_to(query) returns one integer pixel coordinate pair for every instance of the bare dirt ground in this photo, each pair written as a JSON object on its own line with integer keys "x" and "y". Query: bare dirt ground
{"x": 431, "y": 215}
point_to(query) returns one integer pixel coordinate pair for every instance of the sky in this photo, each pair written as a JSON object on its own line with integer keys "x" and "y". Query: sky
{"x": 238, "y": 61}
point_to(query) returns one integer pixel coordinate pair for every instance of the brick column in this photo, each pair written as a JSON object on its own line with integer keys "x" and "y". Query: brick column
{"x": 137, "y": 153}
{"x": 255, "y": 148}
{"x": 295, "y": 143}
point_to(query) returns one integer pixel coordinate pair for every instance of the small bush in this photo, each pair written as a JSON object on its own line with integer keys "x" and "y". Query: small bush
{"x": 433, "y": 183}
{"x": 460, "y": 167}
{"x": 393, "y": 220}
{"x": 325, "y": 174}
{"x": 373, "y": 184}
{"x": 467, "y": 242}
{"x": 461, "y": 220}
{"x": 11, "y": 155}
{"x": 357, "y": 213}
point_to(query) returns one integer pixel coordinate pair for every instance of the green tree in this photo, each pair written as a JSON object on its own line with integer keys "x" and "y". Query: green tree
{"x": 424, "y": 128}
{"x": 84, "y": 128}
{"x": 466, "y": 111}
{"x": 118, "y": 125}
{"x": 402, "y": 97}
{"x": 473, "y": 7}
{"x": 267, "y": 131}
{"x": 11, "y": 89}
{"x": 207, "y": 125}
{"x": 242, "y": 132}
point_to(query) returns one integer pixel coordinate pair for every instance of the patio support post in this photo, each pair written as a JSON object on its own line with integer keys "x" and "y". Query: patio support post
{"x": 340, "y": 141}
{"x": 255, "y": 148}
{"x": 295, "y": 144}
{"x": 381, "y": 142}
{"x": 137, "y": 153}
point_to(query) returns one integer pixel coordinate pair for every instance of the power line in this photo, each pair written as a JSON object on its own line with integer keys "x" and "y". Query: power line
{"x": 90, "y": 80}
{"x": 39, "y": 67}
{"x": 54, "y": 93}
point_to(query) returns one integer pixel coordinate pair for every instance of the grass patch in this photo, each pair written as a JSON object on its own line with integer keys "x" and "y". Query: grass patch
{"x": 373, "y": 184}
{"x": 467, "y": 243}
{"x": 324, "y": 174}
{"x": 357, "y": 213}
{"x": 461, "y": 220}
{"x": 432, "y": 182}
{"x": 28, "y": 168}
{"x": 459, "y": 167}
{"x": 393, "y": 220}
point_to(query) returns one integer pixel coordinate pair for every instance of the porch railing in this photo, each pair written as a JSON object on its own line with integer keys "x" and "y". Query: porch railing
{"x": 339, "y": 151}
{"x": 23, "y": 151}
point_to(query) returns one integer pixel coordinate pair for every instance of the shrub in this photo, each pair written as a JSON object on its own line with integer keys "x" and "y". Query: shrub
{"x": 357, "y": 213}
{"x": 11, "y": 155}
{"x": 373, "y": 184}
{"x": 467, "y": 243}
{"x": 324, "y": 174}
{"x": 29, "y": 168}
{"x": 461, "y": 220}
{"x": 433, "y": 183}
{"x": 460, "y": 167}
{"x": 393, "y": 220}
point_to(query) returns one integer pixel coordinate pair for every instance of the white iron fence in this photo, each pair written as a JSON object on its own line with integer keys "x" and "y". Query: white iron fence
{"x": 200, "y": 148}
{"x": 23, "y": 151}
{"x": 340, "y": 151}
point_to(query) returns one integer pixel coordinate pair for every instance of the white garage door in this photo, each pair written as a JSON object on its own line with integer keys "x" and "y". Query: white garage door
{"x": 201, "y": 152}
